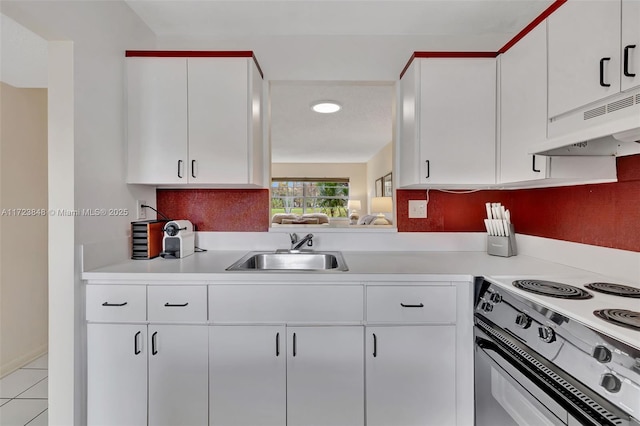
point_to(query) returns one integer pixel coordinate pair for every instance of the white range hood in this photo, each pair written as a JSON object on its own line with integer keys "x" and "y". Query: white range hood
{"x": 604, "y": 129}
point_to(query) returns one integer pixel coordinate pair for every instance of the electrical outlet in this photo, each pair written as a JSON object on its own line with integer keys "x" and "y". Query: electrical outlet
{"x": 141, "y": 212}
{"x": 418, "y": 209}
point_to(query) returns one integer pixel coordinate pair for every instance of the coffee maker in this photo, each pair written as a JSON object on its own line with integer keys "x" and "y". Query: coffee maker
{"x": 179, "y": 239}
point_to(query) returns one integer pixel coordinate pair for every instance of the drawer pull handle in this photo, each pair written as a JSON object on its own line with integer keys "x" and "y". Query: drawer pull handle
{"x": 295, "y": 345}
{"x": 404, "y": 305}
{"x": 602, "y": 65}
{"x": 114, "y": 304}
{"x": 176, "y": 305}
{"x": 375, "y": 345}
{"x": 277, "y": 344}
{"x": 136, "y": 347}
{"x": 628, "y": 73}
{"x": 154, "y": 349}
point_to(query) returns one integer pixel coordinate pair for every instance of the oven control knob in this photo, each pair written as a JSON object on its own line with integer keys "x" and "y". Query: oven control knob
{"x": 610, "y": 382}
{"x": 523, "y": 321}
{"x": 486, "y": 307}
{"x": 495, "y": 298}
{"x": 602, "y": 354}
{"x": 546, "y": 334}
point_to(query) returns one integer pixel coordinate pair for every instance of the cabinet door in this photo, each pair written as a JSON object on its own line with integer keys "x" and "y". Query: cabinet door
{"x": 457, "y": 121}
{"x": 411, "y": 375}
{"x": 248, "y": 375}
{"x": 523, "y": 107}
{"x": 630, "y": 37}
{"x": 116, "y": 374}
{"x": 157, "y": 120}
{"x": 325, "y": 376}
{"x": 178, "y": 375}
{"x": 581, "y": 35}
{"x": 219, "y": 120}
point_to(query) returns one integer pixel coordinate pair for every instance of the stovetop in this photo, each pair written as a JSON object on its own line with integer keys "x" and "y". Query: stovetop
{"x": 582, "y": 310}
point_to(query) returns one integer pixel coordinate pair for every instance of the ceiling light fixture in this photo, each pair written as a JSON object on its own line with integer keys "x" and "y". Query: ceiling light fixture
{"x": 326, "y": 107}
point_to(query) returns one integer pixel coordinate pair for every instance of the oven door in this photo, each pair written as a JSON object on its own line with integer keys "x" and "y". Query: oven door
{"x": 504, "y": 396}
{"x": 515, "y": 386}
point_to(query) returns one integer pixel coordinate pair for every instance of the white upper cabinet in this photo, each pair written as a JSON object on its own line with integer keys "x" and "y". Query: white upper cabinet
{"x": 630, "y": 44}
{"x": 448, "y": 116}
{"x": 194, "y": 121}
{"x": 584, "y": 54}
{"x": 523, "y": 107}
{"x": 157, "y": 120}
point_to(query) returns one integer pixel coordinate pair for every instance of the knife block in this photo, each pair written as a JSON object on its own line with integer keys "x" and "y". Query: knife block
{"x": 502, "y": 246}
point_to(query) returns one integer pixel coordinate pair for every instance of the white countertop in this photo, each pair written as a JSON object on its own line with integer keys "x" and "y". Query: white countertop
{"x": 388, "y": 267}
{"x": 374, "y": 266}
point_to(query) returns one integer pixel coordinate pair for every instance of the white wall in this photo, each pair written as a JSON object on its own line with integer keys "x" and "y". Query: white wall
{"x": 90, "y": 164}
{"x": 380, "y": 165}
{"x": 23, "y": 254}
{"x": 356, "y": 172}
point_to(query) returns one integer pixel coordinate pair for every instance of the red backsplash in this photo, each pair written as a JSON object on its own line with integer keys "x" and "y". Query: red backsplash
{"x": 217, "y": 209}
{"x": 605, "y": 215}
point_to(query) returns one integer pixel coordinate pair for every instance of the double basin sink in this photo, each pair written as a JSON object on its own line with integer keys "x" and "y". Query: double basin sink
{"x": 290, "y": 260}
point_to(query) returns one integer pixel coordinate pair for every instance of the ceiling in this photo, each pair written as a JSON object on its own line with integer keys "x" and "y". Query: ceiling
{"x": 325, "y": 49}
{"x": 24, "y": 56}
{"x": 352, "y": 135}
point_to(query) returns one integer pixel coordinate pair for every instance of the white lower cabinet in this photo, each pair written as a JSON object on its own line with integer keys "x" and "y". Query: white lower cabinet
{"x": 135, "y": 375}
{"x": 248, "y": 367}
{"x": 411, "y": 373}
{"x": 178, "y": 375}
{"x": 276, "y": 375}
{"x": 157, "y": 355}
{"x": 117, "y": 374}
{"x": 325, "y": 376}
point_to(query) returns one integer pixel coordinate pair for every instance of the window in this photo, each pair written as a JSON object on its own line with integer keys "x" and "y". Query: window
{"x": 302, "y": 196}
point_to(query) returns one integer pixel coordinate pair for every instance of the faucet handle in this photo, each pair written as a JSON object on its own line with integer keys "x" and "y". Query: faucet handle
{"x": 294, "y": 237}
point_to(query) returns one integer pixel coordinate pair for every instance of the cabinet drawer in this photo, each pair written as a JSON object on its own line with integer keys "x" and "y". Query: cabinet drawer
{"x": 286, "y": 303}
{"x": 117, "y": 303}
{"x": 411, "y": 304}
{"x": 177, "y": 303}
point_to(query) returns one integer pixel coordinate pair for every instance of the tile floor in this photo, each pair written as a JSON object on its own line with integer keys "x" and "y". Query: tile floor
{"x": 23, "y": 395}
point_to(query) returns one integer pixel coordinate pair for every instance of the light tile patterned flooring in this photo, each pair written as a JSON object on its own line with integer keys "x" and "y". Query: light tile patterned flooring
{"x": 23, "y": 395}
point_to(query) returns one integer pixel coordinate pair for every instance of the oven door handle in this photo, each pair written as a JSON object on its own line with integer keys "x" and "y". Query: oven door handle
{"x": 608, "y": 414}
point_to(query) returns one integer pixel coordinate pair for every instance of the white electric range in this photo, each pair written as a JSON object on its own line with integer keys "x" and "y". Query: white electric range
{"x": 545, "y": 354}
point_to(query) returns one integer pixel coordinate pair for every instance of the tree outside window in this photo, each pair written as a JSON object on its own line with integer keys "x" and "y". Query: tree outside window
{"x": 296, "y": 196}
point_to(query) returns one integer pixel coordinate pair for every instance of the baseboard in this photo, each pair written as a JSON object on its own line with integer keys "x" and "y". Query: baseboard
{"x": 7, "y": 368}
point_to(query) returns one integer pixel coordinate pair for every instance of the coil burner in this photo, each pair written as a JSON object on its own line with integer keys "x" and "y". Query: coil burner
{"x": 621, "y": 317}
{"x": 552, "y": 289}
{"x": 615, "y": 289}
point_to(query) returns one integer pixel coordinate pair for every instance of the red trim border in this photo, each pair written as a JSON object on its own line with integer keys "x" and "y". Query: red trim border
{"x": 194, "y": 54}
{"x": 544, "y": 15}
{"x": 437, "y": 54}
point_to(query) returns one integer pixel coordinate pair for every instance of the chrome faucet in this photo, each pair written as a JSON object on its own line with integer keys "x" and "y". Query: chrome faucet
{"x": 295, "y": 244}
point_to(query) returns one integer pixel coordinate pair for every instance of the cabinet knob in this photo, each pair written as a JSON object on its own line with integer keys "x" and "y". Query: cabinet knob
{"x": 428, "y": 169}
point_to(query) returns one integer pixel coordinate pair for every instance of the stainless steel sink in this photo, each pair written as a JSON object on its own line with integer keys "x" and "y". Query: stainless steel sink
{"x": 290, "y": 261}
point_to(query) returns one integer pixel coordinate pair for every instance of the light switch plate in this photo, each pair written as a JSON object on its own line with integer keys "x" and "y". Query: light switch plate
{"x": 418, "y": 209}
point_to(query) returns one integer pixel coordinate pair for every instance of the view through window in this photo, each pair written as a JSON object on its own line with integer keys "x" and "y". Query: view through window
{"x": 306, "y": 196}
